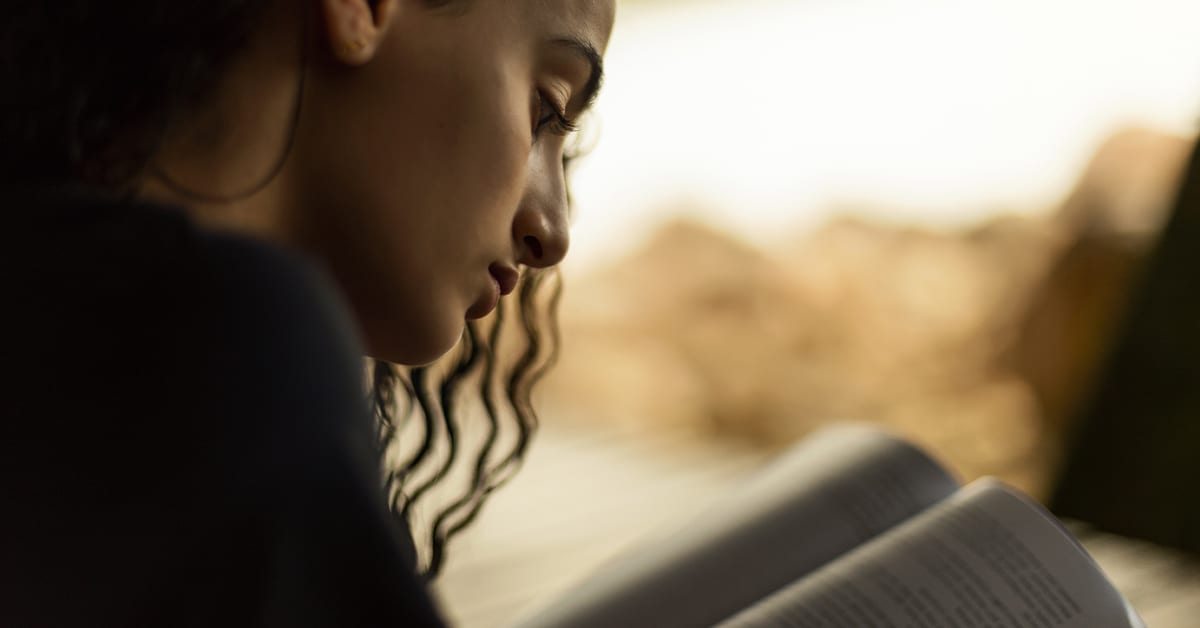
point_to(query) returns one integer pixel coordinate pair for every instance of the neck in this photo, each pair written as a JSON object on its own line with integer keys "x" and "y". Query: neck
{"x": 226, "y": 160}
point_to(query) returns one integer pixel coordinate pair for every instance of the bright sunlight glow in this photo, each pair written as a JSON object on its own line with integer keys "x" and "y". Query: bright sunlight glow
{"x": 766, "y": 115}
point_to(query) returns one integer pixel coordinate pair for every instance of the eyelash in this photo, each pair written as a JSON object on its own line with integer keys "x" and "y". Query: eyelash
{"x": 552, "y": 118}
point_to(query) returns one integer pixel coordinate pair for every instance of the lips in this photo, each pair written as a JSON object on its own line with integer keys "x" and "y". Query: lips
{"x": 506, "y": 277}
{"x": 504, "y": 281}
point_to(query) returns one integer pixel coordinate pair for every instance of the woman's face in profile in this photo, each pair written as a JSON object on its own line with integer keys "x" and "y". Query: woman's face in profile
{"x": 430, "y": 165}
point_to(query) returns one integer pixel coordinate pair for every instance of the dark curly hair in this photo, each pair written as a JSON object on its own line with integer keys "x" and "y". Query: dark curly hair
{"x": 110, "y": 78}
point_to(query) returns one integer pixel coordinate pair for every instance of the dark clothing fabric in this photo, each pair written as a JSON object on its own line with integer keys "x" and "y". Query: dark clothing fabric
{"x": 184, "y": 437}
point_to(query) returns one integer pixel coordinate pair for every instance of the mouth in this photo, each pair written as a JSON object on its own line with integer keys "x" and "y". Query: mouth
{"x": 504, "y": 281}
{"x": 506, "y": 277}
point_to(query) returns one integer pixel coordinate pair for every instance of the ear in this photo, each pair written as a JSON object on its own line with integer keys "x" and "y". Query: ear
{"x": 357, "y": 27}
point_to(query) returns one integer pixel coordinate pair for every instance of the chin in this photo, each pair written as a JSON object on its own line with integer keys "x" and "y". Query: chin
{"x": 417, "y": 349}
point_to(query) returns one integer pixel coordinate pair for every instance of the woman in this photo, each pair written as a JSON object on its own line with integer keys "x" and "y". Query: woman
{"x": 214, "y": 210}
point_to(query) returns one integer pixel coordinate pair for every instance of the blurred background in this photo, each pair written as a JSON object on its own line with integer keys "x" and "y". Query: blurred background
{"x": 923, "y": 214}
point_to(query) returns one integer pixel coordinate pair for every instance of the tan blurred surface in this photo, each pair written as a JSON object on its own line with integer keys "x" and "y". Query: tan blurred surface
{"x": 688, "y": 363}
{"x": 975, "y": 343}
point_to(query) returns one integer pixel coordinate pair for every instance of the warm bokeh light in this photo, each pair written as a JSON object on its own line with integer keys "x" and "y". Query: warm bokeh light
{"x": 771, "y": 113}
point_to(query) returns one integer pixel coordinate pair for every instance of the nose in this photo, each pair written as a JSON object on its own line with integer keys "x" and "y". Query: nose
{"x": 542, "y": 238}
{"x": 540, "y": 228}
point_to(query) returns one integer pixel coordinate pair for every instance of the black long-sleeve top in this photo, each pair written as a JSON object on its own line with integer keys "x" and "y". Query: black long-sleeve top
{"x": 184, "y": 437}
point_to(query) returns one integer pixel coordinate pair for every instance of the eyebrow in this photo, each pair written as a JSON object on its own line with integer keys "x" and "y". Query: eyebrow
{"x": 589, "y": 53}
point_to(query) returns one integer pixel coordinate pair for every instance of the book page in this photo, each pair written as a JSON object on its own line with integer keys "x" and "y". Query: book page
{"x": 986, "y": 557}
{"x": 835, "y": 490}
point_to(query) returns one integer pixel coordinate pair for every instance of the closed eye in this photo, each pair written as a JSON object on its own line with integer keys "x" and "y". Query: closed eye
{"x": 551, "y": 118}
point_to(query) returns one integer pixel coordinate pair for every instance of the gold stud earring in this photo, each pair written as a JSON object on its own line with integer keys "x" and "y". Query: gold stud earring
{"x": 355, "y": 46}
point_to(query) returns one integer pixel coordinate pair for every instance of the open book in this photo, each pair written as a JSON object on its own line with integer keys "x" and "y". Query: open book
{"x": 853, "y": 528}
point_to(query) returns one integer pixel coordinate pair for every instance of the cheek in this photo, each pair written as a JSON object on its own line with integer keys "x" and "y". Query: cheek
{"x": 461, "y": 147}
{"x": 418, "y": 180}
{"x": 496, "y": 157}
{"x": 431, "y": 159}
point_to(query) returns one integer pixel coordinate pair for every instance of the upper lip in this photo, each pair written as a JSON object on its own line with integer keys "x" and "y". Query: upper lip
{"x": 506, "y": 276}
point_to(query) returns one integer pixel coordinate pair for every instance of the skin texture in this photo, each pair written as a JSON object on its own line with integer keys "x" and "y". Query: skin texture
{"x": 422, "y": 164}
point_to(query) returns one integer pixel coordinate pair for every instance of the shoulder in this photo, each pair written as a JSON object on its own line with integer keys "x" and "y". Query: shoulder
{"x": 140, "y": 311}
{"x": 188, "y": 393}
{"x": 156, "y": 329}
{"x": 273, "y": 319}
{"x": 141, "y": 284}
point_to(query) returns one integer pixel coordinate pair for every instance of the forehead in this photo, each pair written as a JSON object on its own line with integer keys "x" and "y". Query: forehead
{"x": 590, "y": 20}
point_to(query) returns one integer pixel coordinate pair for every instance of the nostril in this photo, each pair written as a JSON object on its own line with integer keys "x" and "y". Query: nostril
{"x": 535, "y": 247}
